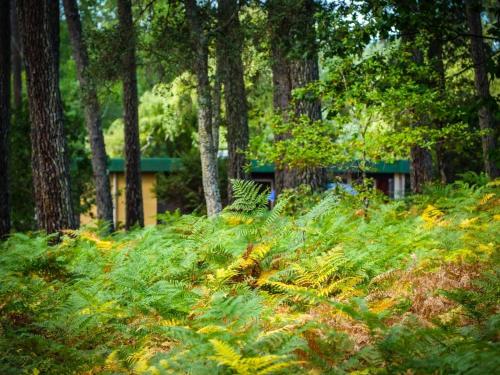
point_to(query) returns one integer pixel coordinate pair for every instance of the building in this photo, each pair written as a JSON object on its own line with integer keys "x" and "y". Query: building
{"x": 390, "y": 178}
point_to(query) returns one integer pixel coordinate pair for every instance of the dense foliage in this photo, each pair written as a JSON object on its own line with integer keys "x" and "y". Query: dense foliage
{"x": 405, "y": 287}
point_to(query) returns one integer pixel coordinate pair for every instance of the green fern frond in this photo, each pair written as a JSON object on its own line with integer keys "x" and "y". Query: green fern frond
{"x": 247, "y": 196}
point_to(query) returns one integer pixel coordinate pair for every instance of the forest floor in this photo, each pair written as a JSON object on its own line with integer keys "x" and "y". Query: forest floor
{"x": 408, "y": 286}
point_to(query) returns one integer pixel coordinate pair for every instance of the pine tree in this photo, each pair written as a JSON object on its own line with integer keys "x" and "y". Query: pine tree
{"x": 230, "y": 43}
{"x": 487, "y": 121}
{"x": 294, "y": 65}
{"x": 104, "y": 201}
{"x": 133, "y": 186}
{"x": 208, "y": 153}
{"x": 4, "y": 115}
{"x": 39, "y": 29}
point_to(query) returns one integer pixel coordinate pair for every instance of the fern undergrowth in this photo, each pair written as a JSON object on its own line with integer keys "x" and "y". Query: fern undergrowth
{"x": 407, "y": 287}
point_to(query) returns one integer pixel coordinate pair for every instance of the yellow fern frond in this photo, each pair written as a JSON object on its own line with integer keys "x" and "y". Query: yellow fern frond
{"x": 486, "y": 199}
{"x": 92, "y": 237}
{"x": 234, "y": 220}
{"x": 345, "y": 286}
{"x": 257, "y": 363}
{"x": 260, "y": 251}
{"x": 226, "y": 355}
{"x": 170, "y": 322}
{"x": 262, "y": 365}
{"x": 382, "y": 305}
{"x": 432, "y": 215}
{"x": 276, "y": 367}
{"x": 487, "y": 249}
{"x": 112, "y": 362}
{"x": 467, "y": 223}
{"x": 211, "y": 329}
{"x": 264, "y": 277}
{"x": 223, "y": 274}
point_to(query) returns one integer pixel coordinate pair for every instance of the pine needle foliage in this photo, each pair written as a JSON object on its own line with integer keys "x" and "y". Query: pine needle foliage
{"x": 411, "y": 289}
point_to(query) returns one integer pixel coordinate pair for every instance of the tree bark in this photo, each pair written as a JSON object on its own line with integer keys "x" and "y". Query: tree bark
{"x": 90, "y": 101}
{"x": 439, "y": 83}
{"x": 294, "y": 65}
{"x": 39, "y": 25}
{"x": 133, "y": 187}
{"x": 487, "y": 121}
{"x": 231, "y": 45}
{"x": 420, "y": 157}
{"x": 282, "y": 85}
{"x": 217, "y": 105}
{"x": 16, "y": 58}
{"x": 208, "y": 154}
{"x": 4, "y": 116}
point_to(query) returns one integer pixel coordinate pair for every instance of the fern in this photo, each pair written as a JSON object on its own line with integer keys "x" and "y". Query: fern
{"x": 259, "y": 291}
{"x": 248, "y": 197}
{"x": 226, "y": 355}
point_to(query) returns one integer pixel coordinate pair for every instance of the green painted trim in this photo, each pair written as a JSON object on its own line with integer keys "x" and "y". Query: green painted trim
{"x": 398, "y": 166}
{"x": 148, "y": 164}
{"x": 174, "y": 164}
{"x": 261, "y": 168}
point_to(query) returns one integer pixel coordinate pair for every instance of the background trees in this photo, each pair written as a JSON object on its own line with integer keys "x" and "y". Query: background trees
{"x": 300, "y": 83}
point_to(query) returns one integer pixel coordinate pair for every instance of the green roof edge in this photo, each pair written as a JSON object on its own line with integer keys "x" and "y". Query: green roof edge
{"x": 167, "y": 164}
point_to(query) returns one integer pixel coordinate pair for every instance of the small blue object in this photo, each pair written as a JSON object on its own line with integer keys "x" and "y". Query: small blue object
{"x": 345, "y": 187}
{"x": 272, "y": 196}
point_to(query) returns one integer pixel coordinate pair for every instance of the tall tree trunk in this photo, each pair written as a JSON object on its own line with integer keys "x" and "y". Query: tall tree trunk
{"x": 439, "y": 83}
{"x": 16, "y": 58}
{"x": 4, "y": 116}
{"x": 487, "y": 121}
{"x": 231, "y": 45}
{"x": 304, "y": 72}
{"x": 282, "y": 85}
{"x": 420, "y": 157}
{"x": 199, "y": 41}
{"x": 39, "y": 25}
{"x": 217, "y": 110}
{"x": 294, "y": 65}
{"x": 133, "y": 188}
{"x": 104, "y": 201}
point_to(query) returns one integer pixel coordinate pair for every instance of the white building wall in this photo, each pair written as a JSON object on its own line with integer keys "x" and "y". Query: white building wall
{"x": 399, "y": 185}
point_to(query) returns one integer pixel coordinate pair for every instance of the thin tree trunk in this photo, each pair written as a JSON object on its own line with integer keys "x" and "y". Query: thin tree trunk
{"x": 217, "y": 107}
{"x": 104, "y": 201}
{"x": 208, "y": 152}
{"x": 487, "y": 121}
{"x": 294, "y": 66}
{"x": 16, "y": 57}
{"x": 231, "y": 45}
{"x": 39, "y": 24}
{"x": 133, "y": 187}
{"x": 4, "y": 116}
